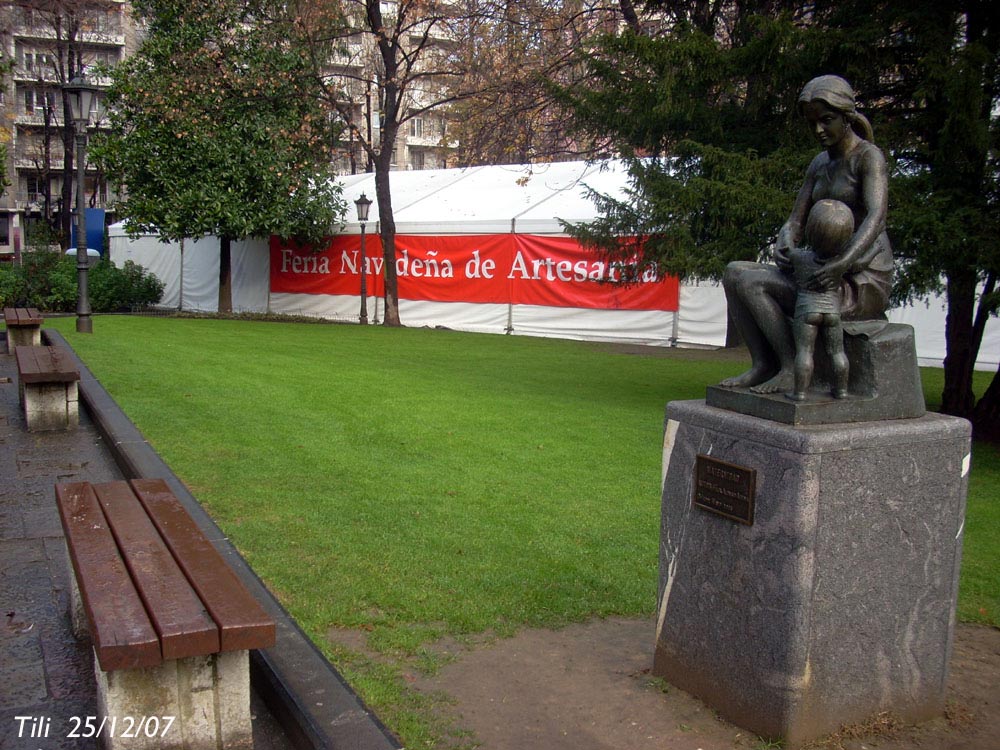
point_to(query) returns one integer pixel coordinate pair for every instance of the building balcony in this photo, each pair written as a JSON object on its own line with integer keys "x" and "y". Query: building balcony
{"x": 32, "y": 161}
{"x": 34, "y": 74}
{"x": 33, "y": 203}
{"x": 110, "y": 36}
{"x": 37, "y": 119}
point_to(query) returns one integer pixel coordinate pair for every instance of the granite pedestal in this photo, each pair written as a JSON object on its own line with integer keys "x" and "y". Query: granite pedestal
{"x": 837, "y": 600}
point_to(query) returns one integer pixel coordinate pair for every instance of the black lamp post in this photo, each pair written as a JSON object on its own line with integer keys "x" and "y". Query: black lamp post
{"x": 363, "y": 204}
{"x": 82, "y": 96}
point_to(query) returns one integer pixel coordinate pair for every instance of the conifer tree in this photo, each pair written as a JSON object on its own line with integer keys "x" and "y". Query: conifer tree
{"x": 705, "y": 118}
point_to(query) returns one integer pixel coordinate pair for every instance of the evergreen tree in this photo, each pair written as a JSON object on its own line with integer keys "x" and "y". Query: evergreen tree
{"x": 705, "y": 118}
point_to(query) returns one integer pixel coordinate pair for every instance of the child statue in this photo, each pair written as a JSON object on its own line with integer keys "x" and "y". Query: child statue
{"x": 829, "y": 229}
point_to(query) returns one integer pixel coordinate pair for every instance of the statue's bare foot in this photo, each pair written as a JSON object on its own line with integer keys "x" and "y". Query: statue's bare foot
{"x": 796, "y": 396}
{"x": 840, "y": 393}
{"x": 751, "y": 377}
{"x": 783, "y": 382}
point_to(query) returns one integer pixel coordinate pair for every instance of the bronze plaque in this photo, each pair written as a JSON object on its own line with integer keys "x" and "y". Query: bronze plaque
{"x": 725, "y": 488}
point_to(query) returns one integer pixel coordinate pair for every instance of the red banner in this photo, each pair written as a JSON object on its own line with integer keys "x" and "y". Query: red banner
{"x": 499, "y": 268}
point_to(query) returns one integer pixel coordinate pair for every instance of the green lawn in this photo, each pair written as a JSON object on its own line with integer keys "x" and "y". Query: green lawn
{"x": 414, "y": 483}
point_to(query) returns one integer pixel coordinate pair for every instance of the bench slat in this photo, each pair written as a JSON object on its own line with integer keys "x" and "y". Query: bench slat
{"x": 121, "y": 631}
{"x": 184, "y": 626}
{"x": 45, "y": 364}
{"x": 22, "y": 316}
{"x": 28, "y": 316}
{"x": 242, "y": 621}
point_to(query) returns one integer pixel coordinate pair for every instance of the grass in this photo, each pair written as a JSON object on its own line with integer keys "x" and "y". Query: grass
{"x": 979, "y": 586}
{"x": 415, "y": 483}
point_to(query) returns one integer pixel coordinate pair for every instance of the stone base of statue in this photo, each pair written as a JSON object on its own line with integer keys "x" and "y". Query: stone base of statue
{"x": 883, "y": 382}
{"x": 809, "y": 575}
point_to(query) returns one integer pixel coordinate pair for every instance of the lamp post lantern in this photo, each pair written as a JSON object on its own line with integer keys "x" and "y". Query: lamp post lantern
{"x": 363, "y": 204}
{"x": 82, "y": 96}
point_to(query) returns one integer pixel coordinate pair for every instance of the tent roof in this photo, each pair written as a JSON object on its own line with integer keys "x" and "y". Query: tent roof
{"x": 524, "y": 198}
{"x": 528, "y": 198}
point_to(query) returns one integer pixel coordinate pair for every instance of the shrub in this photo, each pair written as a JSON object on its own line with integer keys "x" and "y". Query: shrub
{"x": 11, "y": 284}
{"x": 48, "y": 280}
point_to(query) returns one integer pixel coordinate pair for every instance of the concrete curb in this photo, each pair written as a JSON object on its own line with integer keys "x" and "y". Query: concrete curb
{"x": 313, "y": 703}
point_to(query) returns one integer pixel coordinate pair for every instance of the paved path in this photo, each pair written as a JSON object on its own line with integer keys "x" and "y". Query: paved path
{"x": 45, "y": 674}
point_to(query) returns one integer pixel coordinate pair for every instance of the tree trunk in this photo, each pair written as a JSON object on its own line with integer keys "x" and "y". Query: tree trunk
{"x": 958, "y": 397}
{"x": 68, "y": 180}
{"x": 225, "y": 275}
{"x": 986, "y": 415}
{"x": 387, "y": 233}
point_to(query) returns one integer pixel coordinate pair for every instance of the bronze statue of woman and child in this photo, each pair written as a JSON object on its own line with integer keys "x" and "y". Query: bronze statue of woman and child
{"x": 832, "y": 259}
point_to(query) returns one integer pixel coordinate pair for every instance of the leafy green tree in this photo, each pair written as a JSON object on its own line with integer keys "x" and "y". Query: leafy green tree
{"x": 216, "y": 128}
{"x": 705, "y": 118}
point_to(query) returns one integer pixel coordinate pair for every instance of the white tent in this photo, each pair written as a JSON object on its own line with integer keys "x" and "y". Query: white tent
{"x": 190, "y": 269}
{"x": 495, "y": 200}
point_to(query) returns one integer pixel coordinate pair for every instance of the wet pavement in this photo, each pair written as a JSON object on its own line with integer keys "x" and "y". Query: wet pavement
{"x": 46, "y": 676}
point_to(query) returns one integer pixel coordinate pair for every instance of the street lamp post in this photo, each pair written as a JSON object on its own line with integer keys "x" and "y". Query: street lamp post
{"x": 363, "y": 204}
{"x": 82, "y": 95}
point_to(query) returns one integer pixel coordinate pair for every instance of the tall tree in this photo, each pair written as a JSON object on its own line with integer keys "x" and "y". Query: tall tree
{"x": 400, "y": 61}
{"x": 943, "y": 109}
{"x": 393, "y": 62}
{"x": 216, "y": 128}
{"x": 509, "y": 56}
{"x": 705, "y": 118}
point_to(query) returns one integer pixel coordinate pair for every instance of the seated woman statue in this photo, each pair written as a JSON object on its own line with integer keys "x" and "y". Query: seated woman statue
{"x": 761, "y": 296}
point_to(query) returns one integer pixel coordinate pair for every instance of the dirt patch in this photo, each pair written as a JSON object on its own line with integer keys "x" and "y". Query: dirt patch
{"x": 587, "y": 687}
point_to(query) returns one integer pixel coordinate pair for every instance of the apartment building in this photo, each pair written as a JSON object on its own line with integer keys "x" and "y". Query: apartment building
{"x": 40, "y": 39}
{"x": 421, "y": 142}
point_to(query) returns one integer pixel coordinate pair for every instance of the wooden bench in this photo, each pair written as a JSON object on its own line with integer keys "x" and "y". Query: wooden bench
{"x": 47, "y": 385}
{"x": 24, "y": 327}
{"x": 171, "y": 624}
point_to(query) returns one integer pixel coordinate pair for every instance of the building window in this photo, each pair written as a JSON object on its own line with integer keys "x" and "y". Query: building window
{"x": 106, "y": 58}
{"x": 34, "y": 98}
{"x": 34, "y": 61}
{"x": 417, "y": 127}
